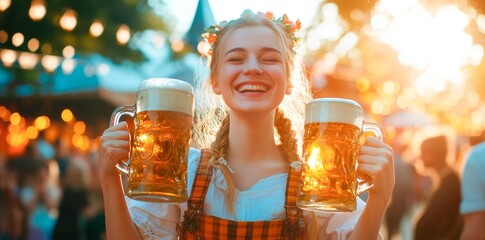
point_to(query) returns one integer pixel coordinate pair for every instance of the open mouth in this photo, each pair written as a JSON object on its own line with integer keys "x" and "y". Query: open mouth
{"x": 252, "y": 88}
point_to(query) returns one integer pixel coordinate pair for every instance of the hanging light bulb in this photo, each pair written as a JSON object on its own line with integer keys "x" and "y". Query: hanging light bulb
{"x": 4, "y": 4}
{"x": 96, "y": 28}
{"x": 8, "y": 57}
{"x": 68, "y": 20}
{"x": 123, "y": 34}
{"x": 17, "y": 39}
{"x": 27, "y": 60}
{"x": 33, "y": 44}
{"x": 50, "y": 62}
{"x": 37, "y": 10}
{"x": 68, "y": 51}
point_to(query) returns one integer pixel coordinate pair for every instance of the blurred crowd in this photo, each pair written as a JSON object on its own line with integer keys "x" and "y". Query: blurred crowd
{"x": 437, "y": 185}
{"x": 52, "y": 190}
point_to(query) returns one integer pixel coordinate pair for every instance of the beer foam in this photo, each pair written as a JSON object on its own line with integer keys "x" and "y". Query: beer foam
{"x": 334, "y": 110}
{"x": 165, "y": 94}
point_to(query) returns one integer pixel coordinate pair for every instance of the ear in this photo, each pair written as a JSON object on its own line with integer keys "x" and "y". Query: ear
{"x": 215, "y": 86}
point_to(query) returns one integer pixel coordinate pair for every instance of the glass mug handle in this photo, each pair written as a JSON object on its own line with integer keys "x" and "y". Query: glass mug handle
{"x": 365, "y": 183}
{"x": 115, "y": 119}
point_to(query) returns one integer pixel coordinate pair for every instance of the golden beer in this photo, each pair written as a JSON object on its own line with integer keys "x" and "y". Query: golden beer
{"x": 328, "y": 181}
{"x": 158, "y": 168}
{"x": 329, "y": 169}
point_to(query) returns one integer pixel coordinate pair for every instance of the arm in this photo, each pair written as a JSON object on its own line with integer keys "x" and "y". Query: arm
{"x": 114, "y": 146}
{"x": 473, "y": 229}
{"x": 376, "y": 160}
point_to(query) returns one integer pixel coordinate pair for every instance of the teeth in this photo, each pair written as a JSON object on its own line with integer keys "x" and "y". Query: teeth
{"x": 252, "y": 88}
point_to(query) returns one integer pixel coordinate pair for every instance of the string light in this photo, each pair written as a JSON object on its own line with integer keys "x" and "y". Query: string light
{"x": 123, "y": 34}
{"x": 68, "y": 20}
{"x": 37, "y": 10}
{"x": 96, "y": 28}
{"x": 4, "y": 4}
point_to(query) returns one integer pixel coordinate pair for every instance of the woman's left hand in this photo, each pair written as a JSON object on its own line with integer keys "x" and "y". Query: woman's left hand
{"x": 376, "y": 159}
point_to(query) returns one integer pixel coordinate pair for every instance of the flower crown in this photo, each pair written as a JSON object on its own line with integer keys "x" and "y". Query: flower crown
{"x": 290, "y": 27}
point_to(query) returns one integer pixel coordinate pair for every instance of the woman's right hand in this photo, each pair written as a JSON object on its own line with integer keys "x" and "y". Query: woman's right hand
{"x": 114, "y": 147}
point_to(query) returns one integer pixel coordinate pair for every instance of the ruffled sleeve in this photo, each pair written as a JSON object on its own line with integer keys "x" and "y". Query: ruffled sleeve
{"x": 337, "y": 226}
{"x": 160, "y": 220}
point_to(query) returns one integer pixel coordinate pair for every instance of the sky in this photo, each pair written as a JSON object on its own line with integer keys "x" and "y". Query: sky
{"x": 227, "y": 10}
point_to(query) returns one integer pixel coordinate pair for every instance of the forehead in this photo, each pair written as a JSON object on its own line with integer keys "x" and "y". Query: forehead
{"x": 253, "y": 37}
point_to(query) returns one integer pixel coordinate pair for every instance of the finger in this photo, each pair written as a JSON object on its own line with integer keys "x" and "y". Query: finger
{"x": 119, "y": 126}
{"x": 116, "y": 144}
{"x": 372, "y": 160}
{"x": 373, "y": 142}
{"x": 370, "y": 170}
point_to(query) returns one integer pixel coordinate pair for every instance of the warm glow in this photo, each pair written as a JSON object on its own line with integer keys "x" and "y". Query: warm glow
{"x": 42, "y": 122}
{"x": 4, "y": 4}
{"x": 50, "y": 63}
{"x": 16, "y": 140}
{"x": 46, "y": 48}
{"x": 28, "y": 60}
{"x": 31, "y": 132}
{"x": 37, "y": 10}
{"x": 203, "y": 47}
{"x": 3, "y": 36}
{"x": 362, "y": 84}
{"x": 15, "y": 118}
{"x": 96, "y": 28}
{"x": 123, "y": 34}
{"x": 8, "y": 57}
{"x": 68, "y": 51}
{"x": 314, "y": 160}
{"x": 178, "y": 45}
{"x": 33, "y": 44}
{"x": 17, "y": 39}
{"x": 67, "y": 115}
{"x": 390, "y": 88}
{"x": 68, "y": 20}
{"x": 434, "y": 43}
{"x": 68, "y": 65}
{"x": 5, "y": 114}
{"x": 79, "y": 127}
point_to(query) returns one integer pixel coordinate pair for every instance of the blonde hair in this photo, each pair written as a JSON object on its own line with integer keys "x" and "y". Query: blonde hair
{"x": 212, "y": 121}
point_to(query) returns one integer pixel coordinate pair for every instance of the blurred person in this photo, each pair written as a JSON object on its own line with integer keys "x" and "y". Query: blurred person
{"x": 255, "y": 97}
{"x": 441, "y": 218}
{"x": 74, "y": 202}
{"x": 472, "y": 206}
{"x": 401, "y": 200}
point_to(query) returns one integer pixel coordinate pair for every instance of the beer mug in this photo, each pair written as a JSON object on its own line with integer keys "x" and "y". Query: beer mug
{"x": 157, "y": 168}
{"x": 331, "y": 143}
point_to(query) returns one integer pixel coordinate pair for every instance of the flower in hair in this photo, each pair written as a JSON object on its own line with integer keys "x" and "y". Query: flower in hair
{"x": 211, "y": 33}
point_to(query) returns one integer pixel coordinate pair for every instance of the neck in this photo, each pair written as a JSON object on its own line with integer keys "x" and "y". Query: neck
{"x": 251, "y": 138}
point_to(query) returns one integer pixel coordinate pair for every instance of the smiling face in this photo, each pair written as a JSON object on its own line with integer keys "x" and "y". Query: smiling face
{"x": 252, "y": 72}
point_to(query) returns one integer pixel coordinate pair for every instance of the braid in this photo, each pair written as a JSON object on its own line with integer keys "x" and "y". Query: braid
{"x": 218, "y": 150}
{"x": 288, "y": 146}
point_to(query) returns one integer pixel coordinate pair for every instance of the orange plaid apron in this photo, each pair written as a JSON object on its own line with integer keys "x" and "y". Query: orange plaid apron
{"x": 197, "y": 225}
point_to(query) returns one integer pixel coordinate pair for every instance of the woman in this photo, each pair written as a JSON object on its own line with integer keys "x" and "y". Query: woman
{"x": 254, "y": 70}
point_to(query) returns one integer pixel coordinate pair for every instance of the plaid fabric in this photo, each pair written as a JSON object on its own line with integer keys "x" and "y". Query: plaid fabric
{"x": 197, "y": 225}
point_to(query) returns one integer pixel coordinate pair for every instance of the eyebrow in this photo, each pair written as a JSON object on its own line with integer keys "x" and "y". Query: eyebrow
{"x": 264, "y": 49}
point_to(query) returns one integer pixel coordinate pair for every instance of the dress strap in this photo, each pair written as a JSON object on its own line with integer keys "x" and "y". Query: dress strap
{"x": 195, "y": 204}
{"x": 201, "y": 181}
{"x": 294, "y": 226}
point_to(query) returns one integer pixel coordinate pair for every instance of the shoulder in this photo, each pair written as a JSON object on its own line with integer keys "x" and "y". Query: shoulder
{"x": 194, "y": 156}
{"x": 476, "y": 155}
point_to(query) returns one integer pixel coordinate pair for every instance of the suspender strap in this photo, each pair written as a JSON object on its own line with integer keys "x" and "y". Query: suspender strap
{"x": 195, "y": 204}
{"x": 294, "y": 226}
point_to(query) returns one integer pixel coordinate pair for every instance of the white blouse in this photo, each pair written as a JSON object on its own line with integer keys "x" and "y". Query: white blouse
{"x": 263, "y": 201}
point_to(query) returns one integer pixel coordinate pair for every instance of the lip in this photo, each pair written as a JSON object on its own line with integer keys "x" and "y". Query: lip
{"x": 254, "y": 83}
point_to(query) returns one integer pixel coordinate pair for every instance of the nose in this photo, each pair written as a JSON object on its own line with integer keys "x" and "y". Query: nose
{"x": 252, "y": 66}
